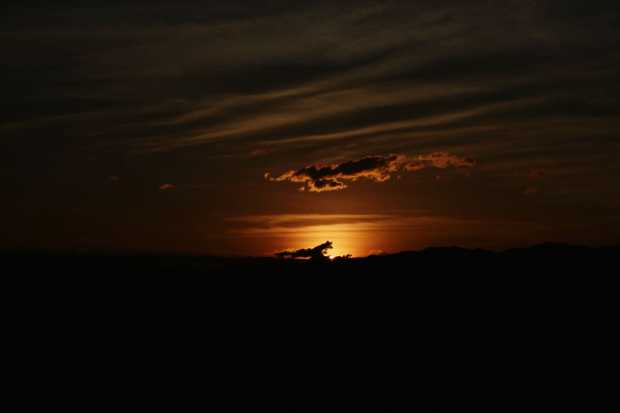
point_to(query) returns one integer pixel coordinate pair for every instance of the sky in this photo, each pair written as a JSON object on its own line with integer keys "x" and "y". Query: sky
{"x": 248, "y": 128}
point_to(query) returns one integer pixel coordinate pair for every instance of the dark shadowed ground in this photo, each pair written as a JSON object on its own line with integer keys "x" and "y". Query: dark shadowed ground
{"x": 448, "y": 327}
{"x": 540, "y": 262}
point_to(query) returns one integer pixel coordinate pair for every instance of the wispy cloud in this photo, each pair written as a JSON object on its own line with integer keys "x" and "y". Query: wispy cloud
{"x": 325, "y": 224}
{"x": 441, "y": 160}
{"x": 296, "y": 220}
{"x": 336, "y": 177}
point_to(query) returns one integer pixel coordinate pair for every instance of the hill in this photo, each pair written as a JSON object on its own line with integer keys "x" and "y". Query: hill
{"x": 452, "y": 261}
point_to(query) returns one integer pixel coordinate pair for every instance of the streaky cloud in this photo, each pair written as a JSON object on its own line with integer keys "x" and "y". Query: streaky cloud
{"x": 440, "y": 160}
{"x": 337, "y": 177}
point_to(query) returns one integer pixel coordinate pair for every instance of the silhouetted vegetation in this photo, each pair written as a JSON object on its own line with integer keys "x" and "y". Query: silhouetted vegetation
{"x": 547, "y": 260}
{"x": 318, "y": 253}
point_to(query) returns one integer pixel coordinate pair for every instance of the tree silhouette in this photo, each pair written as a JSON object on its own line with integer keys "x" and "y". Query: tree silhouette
{"x": 343, "y": 257}
{"x": 318, "y": 253}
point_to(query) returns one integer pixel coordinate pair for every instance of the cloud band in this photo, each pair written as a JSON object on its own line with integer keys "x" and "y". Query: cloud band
{"x": 336, "y": 177}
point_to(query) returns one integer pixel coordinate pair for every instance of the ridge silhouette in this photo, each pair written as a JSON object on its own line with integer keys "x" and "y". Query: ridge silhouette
{"x": 542, "y": 262}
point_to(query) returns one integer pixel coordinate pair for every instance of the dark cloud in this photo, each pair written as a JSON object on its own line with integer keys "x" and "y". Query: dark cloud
{"x": 321, "y": 178}
{"x": 317, "y": 178}
{"x": 107, "y": 62}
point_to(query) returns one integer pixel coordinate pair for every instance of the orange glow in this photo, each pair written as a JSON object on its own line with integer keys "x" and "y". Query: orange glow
{"x": 364, "y": 234}
{"x": 347, "y": 238}
{"x": 357, "y": 235}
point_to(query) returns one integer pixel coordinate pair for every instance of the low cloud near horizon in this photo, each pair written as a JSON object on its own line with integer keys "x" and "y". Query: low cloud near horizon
{"x": 336, "y": 177}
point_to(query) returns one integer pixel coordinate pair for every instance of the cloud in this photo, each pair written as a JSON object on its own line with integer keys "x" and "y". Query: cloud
{"x": 294, "y": 222}
{"x": 167, "y": 187}
{"x": 441, "y": 160}
{"x": 322, "y": 178}
{"x": 318, "y": 178}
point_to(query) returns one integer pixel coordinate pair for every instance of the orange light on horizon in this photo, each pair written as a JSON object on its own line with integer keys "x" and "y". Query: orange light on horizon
{"x": 353, "y": 239}
{"x": 361, "y": 235}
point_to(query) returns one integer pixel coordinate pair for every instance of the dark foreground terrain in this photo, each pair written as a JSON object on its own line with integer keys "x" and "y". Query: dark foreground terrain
{"x": 436, "y": 321}
{"x": 544, "y": 260}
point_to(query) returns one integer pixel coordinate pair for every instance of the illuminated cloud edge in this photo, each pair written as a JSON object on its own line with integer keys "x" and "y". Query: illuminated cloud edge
{"x": 337, "y": 177}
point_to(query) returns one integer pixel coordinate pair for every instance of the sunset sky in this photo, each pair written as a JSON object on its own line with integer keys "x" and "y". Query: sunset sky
{"x": 251, "y": 127}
